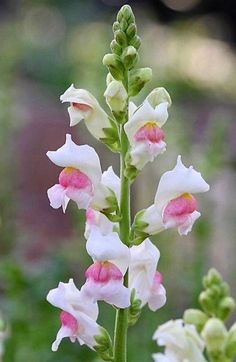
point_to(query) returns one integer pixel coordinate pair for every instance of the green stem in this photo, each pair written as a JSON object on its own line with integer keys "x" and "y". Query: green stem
{"x": 121, "y": 325}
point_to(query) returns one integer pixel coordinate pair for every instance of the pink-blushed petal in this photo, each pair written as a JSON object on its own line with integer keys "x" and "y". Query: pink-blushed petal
{"x": 82, "y": 197}
{"x": 88, "y": 329}
{"x": 57, "y": 197}
{"x": 184, "y": 222}
{"x": 108, "y": 248}
{"x": 112, "y": 292}
{"x": 83, "y": 158}
{"x": 95, "y": 117}
{"x": 144, "y": 114}
{"x": 69, "y": 299}
{"x": 144, "y": 152}
{"x": 178, "y": 181}
{"x": 96, "y": 218}
{"x": 157, "y": 297}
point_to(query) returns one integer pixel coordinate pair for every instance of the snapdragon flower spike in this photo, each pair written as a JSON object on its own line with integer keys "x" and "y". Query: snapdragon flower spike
{"x": 96, "y": 218}
{"x": 144, "y": 132}
{"x": 78, "y": 315}
{"x": 181, "y": 341}
{"x": 104, "y": 278}
{"x": 79, "y": 178}
{"x": 143, "y": 276}
{"x": 174, "y": 204}
{"x": 84, "y": 106}
{"x": 107, "y": 193}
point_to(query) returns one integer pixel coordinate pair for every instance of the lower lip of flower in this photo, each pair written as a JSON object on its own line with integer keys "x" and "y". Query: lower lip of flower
{"x": 103, "y": 272}
{"x": 67, "y": 320}
{"x": 71, "y": 177}
{"x": 182, "y": 205}
{"x": 82, "y": 107}
{"x": 149, "y": 132}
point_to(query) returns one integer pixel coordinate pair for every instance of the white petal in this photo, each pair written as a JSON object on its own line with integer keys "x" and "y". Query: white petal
{"x": 99, "y": 220}
{"x": 83, "y": 158}
{"x": 153, "y": 217}
{"x": 178, "y": 181}
{"x": 74, "y": 95}
{"x": 185, "y": 228}
{"x": 159, "y": 357}
{"x": 69, "y": 299}
{"x": 108, "y": 248}
{"x": 88, "y": 329}
{"x": 144, "y": 258}
{"x": 82, "y": 197}
{"x": 112, "y": 292}
{"x": 132, "y": 109}
{"x": 57, "y": 197}
{"x": 62, "y": 333}
{"x": 111, "y": 180}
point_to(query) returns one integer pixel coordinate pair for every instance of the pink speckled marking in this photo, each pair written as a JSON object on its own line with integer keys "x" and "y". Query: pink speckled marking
{"x": 149, "y": 132}
{"x": 103, "y": 272}
{"x": 90, "y": 216}
{"x": 67, "y": 320}
{"x": 82, "y": 107}
{"x": 181, "y": 206}
{"x": 71, "y": 177}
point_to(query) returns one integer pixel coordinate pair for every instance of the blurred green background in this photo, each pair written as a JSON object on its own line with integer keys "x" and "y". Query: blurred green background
{"x": 47, "y": 45}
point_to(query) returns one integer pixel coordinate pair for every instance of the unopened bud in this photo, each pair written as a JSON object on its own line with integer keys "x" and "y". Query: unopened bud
{"x": 214, "y": 334}
{"x": 135, "y": 41}
{"x": 120, "y": 38}
{"x": 126, "y": 13}
{"x": 112, "y": 61}
{"x": 206, "y": 302}
{"x": 212, "y": 277}
{"x": 138, "y": 79}
{"x": 157, "y": 96}
{"x": 115, "y": 47}
{"x": 226, "y": 306}
{"x": 116, "y": 96}
{"x": 131, "y": 31}
{"x": 195, "y": 317}
{"x": 230, "y": 345}
{"x": 130, "y": 57}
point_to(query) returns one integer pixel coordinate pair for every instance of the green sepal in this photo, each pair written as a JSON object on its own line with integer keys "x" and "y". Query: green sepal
{"x": 111, "y": 139}
{"x": 134, "y": 310}
{"x": 136, "y": 42}
{"x": 115, "y": 47}
{"x": 225, "y": 308}
{"x": 137, "y": 80}
{"x": 131, "y": 31}
{"x": 120, "y": 38}
{"x": 103, "y": 345}
{"x": 230, "y": 345}
{"x": 111, "y": 217}
{"x": 130, "y": 171}
{"x": 129, "y": 57}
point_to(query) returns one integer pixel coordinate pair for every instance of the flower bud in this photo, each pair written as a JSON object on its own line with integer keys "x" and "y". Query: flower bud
{"x": 214, "y": 334}
{"x": 157, "y": 96}
{"x": 112, "y": 61}
{"x": 226, "y": 306}
{"x": 131, "y": 31}
{"x": 116, "y": 96}
{"x": 230, "y": 346}
{"x": 103, "y": 345}
{"x": 120, "y": 38}
{"x": 212, "y": 277}
{"x": 116, "y": 26}
{"x": 135, "y": 41}
{"x": 115, "y": 47}
{"x": 126, "y": 13}
{"x": 195, "y": 317}
{"x": 206, "y": 302}
{"x": 138, "y": 79}
{"x": 130, "y": 57}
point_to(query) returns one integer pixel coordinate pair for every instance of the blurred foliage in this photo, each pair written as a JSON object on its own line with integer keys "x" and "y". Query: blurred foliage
{"x": 201, "y": 79}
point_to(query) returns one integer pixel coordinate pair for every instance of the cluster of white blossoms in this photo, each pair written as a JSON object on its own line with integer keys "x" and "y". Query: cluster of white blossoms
{"x": 82, "y": 181}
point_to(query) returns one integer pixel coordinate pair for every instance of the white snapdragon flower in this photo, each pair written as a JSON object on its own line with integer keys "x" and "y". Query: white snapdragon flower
{"x": 104, "y": 278}
{"x": 78, "y": 315}
{"x": 80, "y": 176}
{"x": 174, "y": 204}
{"x": 84, "y": 106}
{"x": 143, "y": 276}
{"x": 144, "y": 129}
{"x": 182, "y": 343}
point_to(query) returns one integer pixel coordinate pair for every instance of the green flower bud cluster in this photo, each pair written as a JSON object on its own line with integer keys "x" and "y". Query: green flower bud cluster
{"x": 217, "y": 306}
{"x": 215, "y": 299}
{"x": 124, "y": 56}
{"x": 104, "y": 345}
